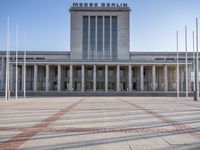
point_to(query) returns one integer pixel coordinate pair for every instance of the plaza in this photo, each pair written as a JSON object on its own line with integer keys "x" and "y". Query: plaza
{"x": 100, "y": 123}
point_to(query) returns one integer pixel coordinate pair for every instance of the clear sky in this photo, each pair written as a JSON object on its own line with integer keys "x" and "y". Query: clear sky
{"x": 47, "y": 23}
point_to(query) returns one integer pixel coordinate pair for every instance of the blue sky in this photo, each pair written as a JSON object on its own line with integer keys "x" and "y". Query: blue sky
{"x": 47, "y": 23}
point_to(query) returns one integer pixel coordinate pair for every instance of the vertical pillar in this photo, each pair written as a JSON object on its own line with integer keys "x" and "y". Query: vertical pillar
{"x": 35, "y": 77}
{"x": 153, "y": 77}
{"x": 3, "y": 74}
{"x": 47, "y": 78}
{"x": 182, "y": 78}
{"x": 59, "y": 78}
{"x": 70, "y": 77}
{"x": 82, "y": 78}
{"x": 165, "y": 78}
{"x": 118, "y": 78}
{"x": 189, "y": 78}
{"x": 22, "y": 77}
{"x": 130, "y": 78}
{"x": 94, "y": 78}
{"x": 11, "y": 82}
{"x": 106, "y": 78}
{"x": 141, "y": 77}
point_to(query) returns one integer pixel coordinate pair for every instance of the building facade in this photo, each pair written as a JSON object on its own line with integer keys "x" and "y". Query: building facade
{"x": 99, "y": 60}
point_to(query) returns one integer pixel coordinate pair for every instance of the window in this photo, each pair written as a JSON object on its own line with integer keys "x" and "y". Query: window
{"x": 92, "y": 37}
{"x": 85, "y": 37}
{"x": 89, "y": 73}
{"x": 111, "y": 73}
{"x": 114, "y": 37}
{"x": 99, "y": 37}
{"x": 78, "y": 73}
{"x": 107, "y": 37}
{"x": 100, "y": 73}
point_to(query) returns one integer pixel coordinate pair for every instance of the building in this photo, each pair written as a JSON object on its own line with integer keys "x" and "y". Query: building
{"x": 99, "y": 61}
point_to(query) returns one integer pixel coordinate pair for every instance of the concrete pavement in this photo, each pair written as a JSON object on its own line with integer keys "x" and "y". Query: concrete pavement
{"x": 100, "y": 123}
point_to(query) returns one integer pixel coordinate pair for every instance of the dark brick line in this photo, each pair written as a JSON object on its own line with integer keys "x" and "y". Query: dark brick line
{"x": 152, "y": 130}
{"x": 155, "y": 130}
{"x": 28, "y": 133}
{"x": 165, "y": 119}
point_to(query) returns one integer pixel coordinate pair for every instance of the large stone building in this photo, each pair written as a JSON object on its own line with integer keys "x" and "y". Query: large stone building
{"x": 99, "y": 60}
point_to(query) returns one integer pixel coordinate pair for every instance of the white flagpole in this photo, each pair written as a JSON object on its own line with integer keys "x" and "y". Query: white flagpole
{"x": 16, "y": 65}
{"x": 186, "y": 64}
{"x": 197, "y": 59}
{"x": 7, "y": 61}
{"x": 177, "y": 66}
{"x": 25, "y": 66}
{"x": 193, "y": 60}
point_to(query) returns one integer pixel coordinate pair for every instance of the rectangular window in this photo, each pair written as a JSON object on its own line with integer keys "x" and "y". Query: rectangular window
{"x": 89, "y": 73}
{"x": 92, "y": 37}
{"x": 100, "y": 73}
{"x": 85, "y": 37}
{"x": 114, "y": 37}
{"x": 78, "y": 73}
{"x": 99, "y": 37}
{"x": 110, "y": 73}
{"x": 107, "y": 37}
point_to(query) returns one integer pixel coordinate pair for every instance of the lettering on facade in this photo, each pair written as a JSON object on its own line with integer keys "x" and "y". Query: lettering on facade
{"x": 100, "y": 5}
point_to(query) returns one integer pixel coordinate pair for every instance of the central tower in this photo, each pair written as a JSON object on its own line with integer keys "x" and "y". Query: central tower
{"x": 100, "y": 32}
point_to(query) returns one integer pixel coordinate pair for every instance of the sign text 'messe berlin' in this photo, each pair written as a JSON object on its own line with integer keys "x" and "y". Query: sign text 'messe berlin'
{"x": 100, "y": 5}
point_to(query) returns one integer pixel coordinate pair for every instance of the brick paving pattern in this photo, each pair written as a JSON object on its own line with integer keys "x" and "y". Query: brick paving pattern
{"x": 100, "y": 123}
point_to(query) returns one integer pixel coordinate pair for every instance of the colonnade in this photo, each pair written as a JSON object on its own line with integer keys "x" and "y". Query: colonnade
{"x": 118, "y": 78}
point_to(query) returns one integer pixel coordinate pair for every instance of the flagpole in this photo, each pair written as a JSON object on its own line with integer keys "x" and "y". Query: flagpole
{"x": 193, "y": 59}
{"x": 16, "y": 66}
{"x": 177, "y": 66}
{"x": 186, "y": 64}
{"x": 7, "y": 60}
{"x": 25, "y": 67}
{"x": 196, "y": 92}
{"x": 197, "y": 59}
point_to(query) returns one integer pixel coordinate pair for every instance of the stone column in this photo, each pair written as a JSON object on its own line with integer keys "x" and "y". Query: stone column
{"x": 141, "y": 77}
{"x": 83, "y": 78}
{"x": 47, "y": 78}
{"x": 11, "y": 81}
{"x": 59, "y": 78}
{"x": 182, "y": 78}
{"x": 35, "y": 77}
{"x": 130, "y": 78}
{"x": 22, "y": 77}
{"x": 118, "y": 78}
{"x": 189, "y": 78}
{"x": 3, "y": 73}
{"x": 70, "y": 77}
{"x": 165, "y": 76}
{"x": 94, "y": 78}
{"x": 106, "y": 78}
{"x": 153, "y": 77}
